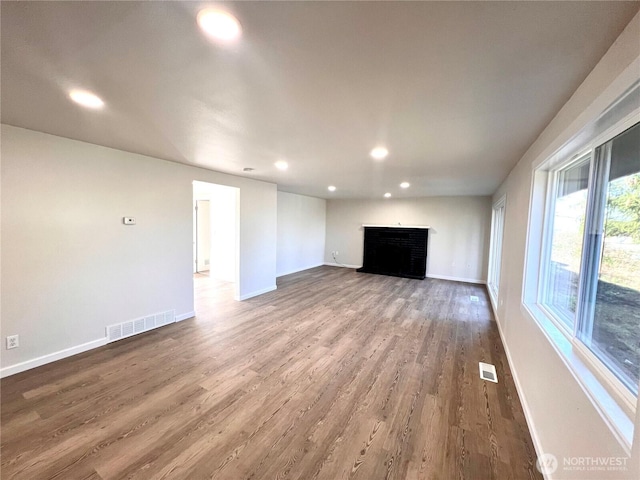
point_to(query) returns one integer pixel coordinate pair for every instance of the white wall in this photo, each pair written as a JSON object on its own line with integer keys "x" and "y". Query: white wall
{"x": 458, "y": 238}
{"x": 301, "y": 232}
{"x": 69, "y": 265}
{"x": 562, "y": 418}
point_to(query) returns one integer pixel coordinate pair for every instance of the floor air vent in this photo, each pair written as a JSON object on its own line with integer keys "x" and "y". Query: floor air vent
{"x": 139, "y": 325}
{"x": 488, "y": 372}
{"x": 474, "y": 298}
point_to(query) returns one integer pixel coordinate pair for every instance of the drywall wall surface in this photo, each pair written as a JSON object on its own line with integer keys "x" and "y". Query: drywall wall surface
{"x": 561, "y": 415}
{"x": 458, "y": 238}
{"x": 69, "y": 264}
{"x": 301, "y": 232}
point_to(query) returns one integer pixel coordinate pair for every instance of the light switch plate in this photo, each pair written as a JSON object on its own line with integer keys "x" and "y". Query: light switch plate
{"x": 129, "y": 221}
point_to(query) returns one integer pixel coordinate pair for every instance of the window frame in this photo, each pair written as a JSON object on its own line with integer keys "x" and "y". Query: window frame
{"x": 616, "y": 403}
{"x": 586, "y": 154}
{"x": 602, "y": 143}
{"x": 590, "y": 264}
{"x": 498, "y": 216}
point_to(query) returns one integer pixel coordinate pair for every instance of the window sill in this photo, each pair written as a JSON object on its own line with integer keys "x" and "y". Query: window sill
{"x": 618, "y": 420}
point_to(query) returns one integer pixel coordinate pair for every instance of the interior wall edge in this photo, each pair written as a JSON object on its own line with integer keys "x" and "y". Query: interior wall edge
{"x": 478, "y": 281}
{"x": 185, "y": 316}
{"x": 299, "y": 270}
{"x": 249, "y": 295}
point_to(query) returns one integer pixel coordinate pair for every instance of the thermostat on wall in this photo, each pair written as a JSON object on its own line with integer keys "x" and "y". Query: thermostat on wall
{"x": 129, "y": 221}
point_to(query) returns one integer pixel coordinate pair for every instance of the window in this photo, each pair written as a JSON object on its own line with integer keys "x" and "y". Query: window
{"x": 590, "y": 280}
{"x": 610, "y": 304}
{"x": 582, "y": 260}
{"x": 569, "y": 204}
{"x": 495, "y": 248}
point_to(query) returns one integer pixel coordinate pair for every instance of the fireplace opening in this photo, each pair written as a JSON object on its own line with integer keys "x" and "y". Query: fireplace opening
{"x": 396, "y": 251}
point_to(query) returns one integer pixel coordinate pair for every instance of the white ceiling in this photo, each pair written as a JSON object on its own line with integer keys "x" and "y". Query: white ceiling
{"x": 456, "y": 91}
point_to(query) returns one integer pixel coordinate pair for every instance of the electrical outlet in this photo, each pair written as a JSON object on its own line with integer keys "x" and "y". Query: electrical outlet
{"x": 13, "y": 341}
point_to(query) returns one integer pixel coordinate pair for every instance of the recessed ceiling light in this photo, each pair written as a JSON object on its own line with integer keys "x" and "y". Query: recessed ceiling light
{"x": 387, "y": 195}
{"x": 331, "y": 188}
{"x": 86, "y": 99}
{"x": 219, "y": 25}
{"x": 281, "y": 165}
{"x": 379, "y": 153}
{"x": 405, "y": 185}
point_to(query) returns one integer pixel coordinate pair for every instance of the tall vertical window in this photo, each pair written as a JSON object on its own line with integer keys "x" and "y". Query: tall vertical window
{"x": 569, "y": 203}
{"x": 495, "y": 248}
{"x": 590, "y": 280}
{"x": 610, "y": 308}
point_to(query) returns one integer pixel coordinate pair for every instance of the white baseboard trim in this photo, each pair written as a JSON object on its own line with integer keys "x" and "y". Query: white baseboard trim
{"x": 343, "y": 265}
{"x": 523, "y": 399}
{"x": 299, "y": 270}
{"x": 455, "y": 279}
{"x": 257, "y": 292}
{"x": 185, "y": 316}
{"x": 51, "y": 357}
{"x": 429, "y": 275}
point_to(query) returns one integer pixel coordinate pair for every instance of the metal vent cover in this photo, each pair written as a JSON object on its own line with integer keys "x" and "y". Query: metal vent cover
{"x": 127, "y": 329}
{"x": 149, "y": 322}
{"x": 138, "y": 325}
{"x": 488, "y": 372}
{"x": 143, "y": 324}
{"x": 114, "y": 332}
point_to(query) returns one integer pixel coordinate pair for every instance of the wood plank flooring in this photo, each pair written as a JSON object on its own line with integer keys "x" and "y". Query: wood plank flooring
{"x": 336, "y": 375}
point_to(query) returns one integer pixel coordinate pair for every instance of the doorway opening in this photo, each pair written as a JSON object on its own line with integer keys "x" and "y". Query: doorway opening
{"x": 215, "y": 243}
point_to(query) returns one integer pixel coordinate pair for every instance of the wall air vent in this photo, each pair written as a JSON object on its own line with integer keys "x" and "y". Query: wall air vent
{"x": 139, "y": 325}
{"x": 149, "y": 322}
{"x": 114, "y": 332}
{"x": 488, "y": 372}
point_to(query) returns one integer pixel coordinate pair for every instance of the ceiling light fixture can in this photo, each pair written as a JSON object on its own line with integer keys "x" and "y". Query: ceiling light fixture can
{"x": 219, "y": 25}
{"x": 387, "y": 195}
{"x": 86, "y": 99}
{"x": 379, "y": 153}
{"x": 281, "y": 165}
{"x": 331, "y": 188}
{"x": 405, "y": 185}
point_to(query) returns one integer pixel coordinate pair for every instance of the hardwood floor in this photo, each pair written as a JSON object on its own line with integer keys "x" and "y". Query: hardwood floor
{"x": 336, "y": 375}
